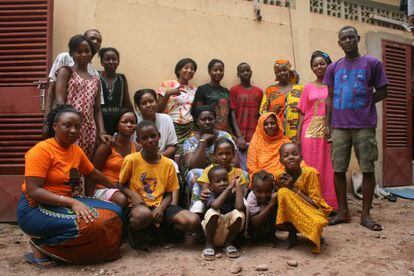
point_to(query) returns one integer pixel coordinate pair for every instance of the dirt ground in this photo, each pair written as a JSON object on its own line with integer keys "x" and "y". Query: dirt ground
{"x": 349, "y": 250}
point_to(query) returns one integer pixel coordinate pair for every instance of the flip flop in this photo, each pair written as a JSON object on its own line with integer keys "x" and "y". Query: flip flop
{"x": 44, "y": 263}
{"x": 391, "y": 198}
{"x": 208, "y": 254}
{"x": 371, "y": 225}
{"x": 231, "y": 251}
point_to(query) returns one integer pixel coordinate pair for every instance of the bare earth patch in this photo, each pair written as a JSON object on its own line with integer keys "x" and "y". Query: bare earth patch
{"x": 349, "y": 249}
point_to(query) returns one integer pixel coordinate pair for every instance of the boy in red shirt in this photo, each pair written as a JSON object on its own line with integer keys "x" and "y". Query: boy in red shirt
{"x": 245, "y": 101}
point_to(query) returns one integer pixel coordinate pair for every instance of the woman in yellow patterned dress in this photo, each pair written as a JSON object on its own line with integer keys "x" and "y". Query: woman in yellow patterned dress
{"x": 283, "y": 97}
{"x": 301, "y": 207}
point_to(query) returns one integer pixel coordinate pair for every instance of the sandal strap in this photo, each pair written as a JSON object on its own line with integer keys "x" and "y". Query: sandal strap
{"x": 208, "y": 251}
{"x": 231, "y": 248}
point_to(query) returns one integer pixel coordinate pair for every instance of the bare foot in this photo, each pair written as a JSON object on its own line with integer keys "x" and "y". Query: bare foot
{"x": 291, "y": 241}
{"x": 339, "y": 218}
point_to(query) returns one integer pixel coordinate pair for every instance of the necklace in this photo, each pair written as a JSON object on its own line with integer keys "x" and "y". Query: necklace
{"x": 111, "y": 89}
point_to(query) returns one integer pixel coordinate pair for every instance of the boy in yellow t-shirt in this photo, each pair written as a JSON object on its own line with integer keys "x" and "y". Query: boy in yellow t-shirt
{"x": 151, "y": 179}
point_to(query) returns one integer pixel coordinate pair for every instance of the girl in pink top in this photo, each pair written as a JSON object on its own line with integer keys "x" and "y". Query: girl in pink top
{"x": 316, "y": 151}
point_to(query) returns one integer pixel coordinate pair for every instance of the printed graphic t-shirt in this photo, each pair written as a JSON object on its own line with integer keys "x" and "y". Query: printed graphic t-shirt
{"x": 178, "y": 106}
{"x": 218, "y": 97}
{"x": 150, "y": 181}
{"x": 246, "y": 104}
{"x": 353, "y": 82}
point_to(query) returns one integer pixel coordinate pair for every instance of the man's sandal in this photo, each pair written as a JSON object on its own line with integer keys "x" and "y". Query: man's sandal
{"x": 231, "y": 251}
{"x": 208, "y": 254}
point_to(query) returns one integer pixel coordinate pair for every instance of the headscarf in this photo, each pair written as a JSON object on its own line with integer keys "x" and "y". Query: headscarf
{"x": 263, "y": 151}
{"x": 321, "y": 54}
{"x": 294, "y": 76}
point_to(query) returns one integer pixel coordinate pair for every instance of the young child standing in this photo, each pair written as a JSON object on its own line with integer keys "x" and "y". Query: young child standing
{"x": 245, "y": 102}
{"x": 224, "y": 219}
{"x": 262, "y": 207}
{"x": 151, "y": 178}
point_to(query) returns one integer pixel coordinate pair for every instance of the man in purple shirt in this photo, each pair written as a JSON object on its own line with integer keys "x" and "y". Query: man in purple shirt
{"x": 351, "y": 120}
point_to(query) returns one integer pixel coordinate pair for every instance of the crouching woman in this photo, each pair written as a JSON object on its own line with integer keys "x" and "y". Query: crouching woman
{"x": 61, "y": 225}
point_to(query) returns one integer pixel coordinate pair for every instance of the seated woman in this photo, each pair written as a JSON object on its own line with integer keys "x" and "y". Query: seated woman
{"x": 198, "y": 149}
{"x": 301, "y": 207}
{"x": 109, "y": 157}
{"x": 263, "y": 153}
{"x": 150, "y": 179}
{"x": 63, "y": 226}
{"x": 146, "y": 102}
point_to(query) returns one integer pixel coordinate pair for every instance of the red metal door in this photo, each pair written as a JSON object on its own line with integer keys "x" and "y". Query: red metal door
{"x": 25, "y": 47}
{"x": 397, "y": 115}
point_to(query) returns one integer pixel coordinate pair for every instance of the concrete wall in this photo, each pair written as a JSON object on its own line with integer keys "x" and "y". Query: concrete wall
{"x": 389, "y": 2}
{"x": 152, "y": 35}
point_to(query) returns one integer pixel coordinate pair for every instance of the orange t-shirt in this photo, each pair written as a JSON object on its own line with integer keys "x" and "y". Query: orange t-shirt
{"x": 113, "y": 165}
{"x": 52, "y": 162}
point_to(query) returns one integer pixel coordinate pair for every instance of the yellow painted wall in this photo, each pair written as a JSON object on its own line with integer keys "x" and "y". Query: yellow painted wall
{"x": 152, "y": 35}
{"x": 389, "y": 2}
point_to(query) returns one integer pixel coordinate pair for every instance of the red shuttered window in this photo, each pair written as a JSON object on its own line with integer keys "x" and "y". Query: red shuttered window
{"x": 397, "y": 115}
{"x": 23, "y": 41}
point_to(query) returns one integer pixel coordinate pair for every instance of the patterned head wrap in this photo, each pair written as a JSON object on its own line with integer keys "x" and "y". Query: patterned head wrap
{"x": 283, "y": 62}
{"x": 294, "y": 76}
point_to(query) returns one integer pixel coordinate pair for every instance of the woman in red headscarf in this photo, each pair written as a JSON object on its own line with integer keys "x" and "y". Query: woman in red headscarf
{"x": 283, "y": 97}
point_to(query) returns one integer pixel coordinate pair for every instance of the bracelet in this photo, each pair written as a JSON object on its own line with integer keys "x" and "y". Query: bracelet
{"x": 59, "y": 200}
{"x": 202, "y": 141}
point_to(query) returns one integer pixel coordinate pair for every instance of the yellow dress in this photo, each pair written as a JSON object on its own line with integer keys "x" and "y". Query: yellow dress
{"x": 307, "y": 219}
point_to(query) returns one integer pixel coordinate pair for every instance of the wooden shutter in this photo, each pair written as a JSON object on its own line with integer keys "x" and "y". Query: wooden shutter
{"x": 25, "y": 47}
{"x": 397, "y": 115}
{"x": 23, "y": 41}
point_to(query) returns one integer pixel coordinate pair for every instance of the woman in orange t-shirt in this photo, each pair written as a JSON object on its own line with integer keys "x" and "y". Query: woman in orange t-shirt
{"x": 109, "y": 158}
{"x": 62, "y": 225}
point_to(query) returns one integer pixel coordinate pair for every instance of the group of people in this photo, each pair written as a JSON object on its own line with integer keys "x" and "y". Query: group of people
{"x": 221, "y": 165}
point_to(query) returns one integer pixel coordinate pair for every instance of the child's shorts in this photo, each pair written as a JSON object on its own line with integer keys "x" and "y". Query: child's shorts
{"x": 105, "y": 193}
{"x": 223, "y": 224}
{"x": 170, "y": 213}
